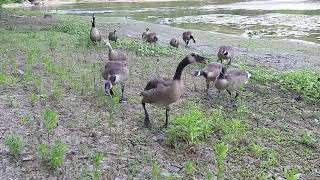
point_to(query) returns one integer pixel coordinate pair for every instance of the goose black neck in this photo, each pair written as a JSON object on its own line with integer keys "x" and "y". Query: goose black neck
{"x": 221, "y": 76}
{"x": 93, "y": 21}
{"x": 204, "y": 74}
{"x": 181, "y": 66}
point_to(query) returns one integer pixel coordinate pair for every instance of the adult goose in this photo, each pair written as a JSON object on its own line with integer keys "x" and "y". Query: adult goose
{"x": 231, "y": 80}
{"x": 164, "y": 92}
{"x": 95, "y": 35}
{"x": 210, "y": 73}
{"x": 115, "y": 72}
{"x": 112, "y": 36}
{"x": 186, "y": 36}
{"x": 225, "y": 53}
{"x": 114, "y": 55}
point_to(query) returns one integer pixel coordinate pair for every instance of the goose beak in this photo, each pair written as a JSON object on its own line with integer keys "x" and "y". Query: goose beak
{"x": 201, "y": 59}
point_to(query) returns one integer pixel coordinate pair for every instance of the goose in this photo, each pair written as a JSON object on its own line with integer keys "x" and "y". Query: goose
{"x": 113, "y": 54}
{"x": 115, "y": 72}
{"x": 186, "y": 36}
{"x": 225, "y": 53}
{"x": 164, "y": 92}
{"x": 95, "y": 35}
{"x": 151, "y": 37}
{"x": 231, "y": 80}
{"x": 144, "y": 34}
{"x": 112, "y": 36}
{"x": 174, "y": 42}
{"x": 210, "y": 73}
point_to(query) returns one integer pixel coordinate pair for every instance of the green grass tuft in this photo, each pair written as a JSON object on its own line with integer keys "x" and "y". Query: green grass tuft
{"x": 14, "y": 143}
{"x": 54, "y": 154}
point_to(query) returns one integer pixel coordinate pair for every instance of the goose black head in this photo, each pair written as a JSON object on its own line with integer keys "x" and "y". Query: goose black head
{"x": 194, "y": 57}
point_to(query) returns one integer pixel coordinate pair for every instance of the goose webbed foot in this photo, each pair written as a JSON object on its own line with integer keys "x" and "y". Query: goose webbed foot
{"x": 122, "y": 99}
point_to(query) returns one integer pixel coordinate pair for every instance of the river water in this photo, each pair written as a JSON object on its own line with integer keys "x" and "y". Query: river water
{"x": 286, "y": 19}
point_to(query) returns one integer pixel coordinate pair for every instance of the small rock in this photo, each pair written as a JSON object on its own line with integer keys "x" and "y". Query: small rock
{"x": 28, "y": 158}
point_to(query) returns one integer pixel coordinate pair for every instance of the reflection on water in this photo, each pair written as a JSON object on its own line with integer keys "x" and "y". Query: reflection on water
{"x": 293, "y": 19}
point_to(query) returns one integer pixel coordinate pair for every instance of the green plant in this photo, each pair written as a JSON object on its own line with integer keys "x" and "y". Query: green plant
{"x": 10, "y": 1}
{"x": 191, "y": 127}
{"x": 291, "y": 174}
{"x": 189, "y": 169}
{"x": 25, "y": 120}
{"x": 308, "y": 139}
{"x": 14, "y": 143}
{"x": 221, "y": 152}
{"x": 51, "y": 119}
{"x": 97, "y": 160}
{"x": 209, "y": 176}
{"x": 57, "y": 91}
{"x": 271, "y": 159}
{"x": 34, "y": 99}
{"x": 54, "y": 154}
{"x": 155, "y": 173}
{"x": 256, "y": 149}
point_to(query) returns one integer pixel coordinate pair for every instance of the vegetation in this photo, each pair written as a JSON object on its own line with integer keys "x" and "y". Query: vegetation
{"x": 54, "y": 154}
{"x": 291, "y": 174}
{"x": 10, "y": 1}
{"x": 155, "y": 173}
{"x": 221, "y": 152}
{"x": 14, "y": 143}
{"x": 97, "y": 161}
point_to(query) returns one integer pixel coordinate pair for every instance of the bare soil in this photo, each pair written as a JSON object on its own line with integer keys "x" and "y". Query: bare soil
{"x": 277, "y": 118}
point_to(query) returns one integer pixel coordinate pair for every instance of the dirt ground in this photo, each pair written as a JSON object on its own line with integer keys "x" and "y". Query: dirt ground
{"x": 276, "y": 120}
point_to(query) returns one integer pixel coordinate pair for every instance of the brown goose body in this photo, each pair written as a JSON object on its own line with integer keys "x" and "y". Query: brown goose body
{"x": 144, "y": 34}
{"x": 231, "y": 80}
{"x": 95, "y": 35}
{"x": 187, "y": 36}
{"x": 112, "y": 36}
{"x": 174, "y": 42}
{"x": 115, "y": 55}
{"x": 210, "y": 73}
{"x": 151, "y": 37}
{"x": 225, "y": 53}
{"x": 115, "y": 72}
{"x": 163, "y": 92}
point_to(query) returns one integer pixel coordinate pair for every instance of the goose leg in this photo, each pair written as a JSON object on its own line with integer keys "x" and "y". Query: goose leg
{"x": 167, "y": 117}
{"x": 111, "y": 93}
{"x": 146, "y": 116}
{"x": 237, "y": 94}
{"x": 187, "y": 43}
{"x": 122, "y": 99}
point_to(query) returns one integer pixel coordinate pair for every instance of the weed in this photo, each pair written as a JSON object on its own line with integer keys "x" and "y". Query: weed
{"x": 291, "y": 174}
{"x": 10, "y": 1}
{"x": 221, "y": 152}
{"x": 34, "y": 98}
{"x": 3, "y": 78}
{"x": 51, "y": 119}
{"x": 256, "y": 149}
{"x": 155, "y": 173}
{"x": 49, "y": 64}
{"x": 57, "y": 91}
{"x": 189, "y": 169}
{"x": 25, "y": 120}
{"x": 308, "y": 139}
{"x": 13, "y": 102}
{"x": 271, "y": 159}
{"x": 14, "y": 143}
{"x": 97, "y": 160}
{"x": 209, "y": 176}
{"x": 54, "y": 154}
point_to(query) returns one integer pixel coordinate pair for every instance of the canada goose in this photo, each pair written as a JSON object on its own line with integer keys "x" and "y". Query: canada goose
{"x": 151, "y": 37}
{"x": 112, "y": 36}
{"x": 144, "y": 34}
{"x": 95, "y": 35}
{"x": 210, "y": 73}
{"x": 163, "y": 92}
{"x": 186, "y": 36}
{"x": 231, "y": 80}
{"x": 225, "y": 53}
{"x": 174, "y": 42}
{"x": 113, "y": 54}
{"x": 115, "y": 72}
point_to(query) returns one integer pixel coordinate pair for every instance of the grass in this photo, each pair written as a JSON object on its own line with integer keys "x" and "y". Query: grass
{"x": 51, "y": 119}
{"x": 291, "y": 174}
{"x": 54, "y": 154}
{"x": 10, "y": 1}
{"x": 221, "y": 152}
{"x": 14, "y": 143}
{"x": 155, "y": 173}
{"x": 97, "y": 161}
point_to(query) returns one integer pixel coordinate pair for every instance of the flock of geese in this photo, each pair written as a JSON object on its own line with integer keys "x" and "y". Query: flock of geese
{"x": 163, "y": 91}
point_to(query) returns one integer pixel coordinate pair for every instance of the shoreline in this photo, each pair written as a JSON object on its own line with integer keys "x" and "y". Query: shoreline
{"x": 53, "y": 3}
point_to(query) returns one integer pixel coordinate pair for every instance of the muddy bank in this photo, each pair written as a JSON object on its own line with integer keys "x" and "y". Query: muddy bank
{"x": 277, "y": 54}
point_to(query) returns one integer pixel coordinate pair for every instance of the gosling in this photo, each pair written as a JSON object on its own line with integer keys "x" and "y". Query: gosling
{"x": 186, "y": 36}
{"x": 225, "y": 53}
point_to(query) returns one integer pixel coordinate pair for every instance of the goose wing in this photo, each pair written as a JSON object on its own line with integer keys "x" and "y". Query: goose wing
{"x": 156, "y": 82}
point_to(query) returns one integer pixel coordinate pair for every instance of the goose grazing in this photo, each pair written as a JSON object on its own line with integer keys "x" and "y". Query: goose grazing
{"x": 112, "y": 36}
{"x": 95, "y": 35}
{"x": 151, "y": 37}
{"x": 174, "y": 42}
{"x": 144, "y": 34}
{"x": 231, "y": 80}
{"x": 186, "y": 36}
{"x": 210, "y": 73}
{"x": 114, "y": 73}
{"x": 113, "y": 54}
{"x": 164, "y": 92}
{"x": 225, "y": 53}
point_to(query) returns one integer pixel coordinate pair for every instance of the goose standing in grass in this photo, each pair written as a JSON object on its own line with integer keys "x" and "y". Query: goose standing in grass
{"x": 174, "y": 42}
{"x": 186, "y": 36}
{"x": 210, "y": 73}
{"x": 144, "y": 34}
{"x": 115, "y": 72}
{"x": 112, "y": 36}
{"x": 113, "y": 54}
{"x": 95, "y": 35}
{"x": 225, "y": 53}
{"x": 164, "y": 92}
{"x": 231, "y": 80}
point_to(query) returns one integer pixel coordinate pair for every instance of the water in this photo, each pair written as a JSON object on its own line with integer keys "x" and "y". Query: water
{"x": 285, "y": 19}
